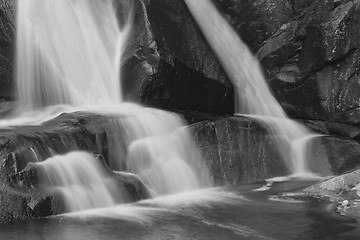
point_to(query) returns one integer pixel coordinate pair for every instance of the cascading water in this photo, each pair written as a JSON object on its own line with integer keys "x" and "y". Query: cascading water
{"x": 69, "y": 52}
{"x": 253, "y": 96}
{"x": 81, "y": 179}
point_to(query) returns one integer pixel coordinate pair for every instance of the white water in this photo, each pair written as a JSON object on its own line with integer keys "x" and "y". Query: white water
{"x": 160, "y": 149}
{"x": 253, "y": 95}
{"x": 163, "y": 153}
{"x": 69, "y": 52}
{"x": 81, "y": 179}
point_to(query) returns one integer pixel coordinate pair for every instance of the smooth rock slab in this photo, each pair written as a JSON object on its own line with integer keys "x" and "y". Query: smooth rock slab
{"x": 237, "y": 150}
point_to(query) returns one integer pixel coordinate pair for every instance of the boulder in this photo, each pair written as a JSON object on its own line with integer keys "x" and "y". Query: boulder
{"x": 343, "y": 192}
{"x": 336, "y": 186}
{"x": 240, "y": 150}
{"x": 237, "y": 150}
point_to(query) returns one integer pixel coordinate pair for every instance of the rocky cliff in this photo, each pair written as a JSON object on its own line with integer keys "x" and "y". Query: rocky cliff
{"x": 308, "y": 50}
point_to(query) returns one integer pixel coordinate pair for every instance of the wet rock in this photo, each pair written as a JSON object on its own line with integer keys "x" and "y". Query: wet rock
{"x": 309, "y": 51}
{"x": 16, "y": 205}
{"x": 187, "y": 74}
{"x": 134, "y": 186}
{"x": 334, "y": 128}
{"x": 140, "y": 58}
{"x": 182, "y": 88}
{"x": 341, "y": 191}
{"x": 312, "y": 62}
{"x": 7, "y": 37}
{"x": 337, "y": 186}
{"x": 206, "y": 139}
{"x": 342, "y": 154}
{"x": 237, "y": 150}
{"x": 21, "y": 196}
{"x": 256, "y": 20}
{"x": 240, "y": 150}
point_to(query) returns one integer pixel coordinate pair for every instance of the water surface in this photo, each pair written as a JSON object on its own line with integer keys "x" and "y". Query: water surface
{"x": 236, "y": 213}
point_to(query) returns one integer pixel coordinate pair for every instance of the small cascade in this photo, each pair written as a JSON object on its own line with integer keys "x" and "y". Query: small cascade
{"x": 164, "y": 155}
{"x": 253, "y": 96}
{"x": 82, "y": 180}
{"x": 158, "y": 148}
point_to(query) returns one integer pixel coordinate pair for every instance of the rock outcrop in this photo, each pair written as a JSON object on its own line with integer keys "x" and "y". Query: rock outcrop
{"x": 21, "y": 197}
{"x": 238, "y": 150}
{"x": 308, "y": 49}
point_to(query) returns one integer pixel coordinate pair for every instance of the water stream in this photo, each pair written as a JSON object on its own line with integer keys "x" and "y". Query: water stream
{"x": 69, "y": 53}
{"x": 82, "y": 180}
{"x": 68, "y": 59}
{"x": 232, "y": 213}
{"x": 253, "y": 95}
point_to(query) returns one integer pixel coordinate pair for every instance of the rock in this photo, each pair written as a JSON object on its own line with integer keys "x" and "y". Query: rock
{"x": 334, "y": 128}
{"x": 309, "y": 51}
{"x": 341, "y": 192}
{"x": 237, "y": 150}
{"x": 312, "y": 62}
{"x": 181, "y": 88}
{"x": 256, "y": 20}
{"x": 21, "y": 197}
{"x": 134, "y": 186}
{"x": 337, "y": 186}
{"x": 205, "y": 137}
{"x": 140, "y": 58}
{"x": 15, "y": 205}
{"x": 342, "y": 154}
{"x": 345, "y": 203}
{"x": 7, "y": 40}
{"x": 186, "y": 74}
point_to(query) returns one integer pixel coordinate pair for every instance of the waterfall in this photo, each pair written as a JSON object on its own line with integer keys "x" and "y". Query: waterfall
{"x": 252, "y": 94}
{"x": 69, "y": 52}
{"x": 81, "y": 179}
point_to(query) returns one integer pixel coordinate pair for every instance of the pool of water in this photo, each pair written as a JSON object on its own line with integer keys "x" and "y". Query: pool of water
{"x": 221, "y": 213}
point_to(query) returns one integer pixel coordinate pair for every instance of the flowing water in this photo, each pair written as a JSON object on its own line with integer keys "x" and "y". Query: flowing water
{"x": 82, "y": 180}
{"x": 253, "y": 96}
{"x": 237, "y": 213}
{"x": 69, "y": 52}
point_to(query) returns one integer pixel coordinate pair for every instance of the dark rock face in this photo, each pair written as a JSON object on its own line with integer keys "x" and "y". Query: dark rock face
{"x": 343, "y": 154}
{"x": 184, "y": 73}
{"x": 256, "y": 20}
{"x": 7, "y": 36}
{"x": 237, "y": 150}
{"x": 308, "y": 49}
{"x": 312, "y": 62}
